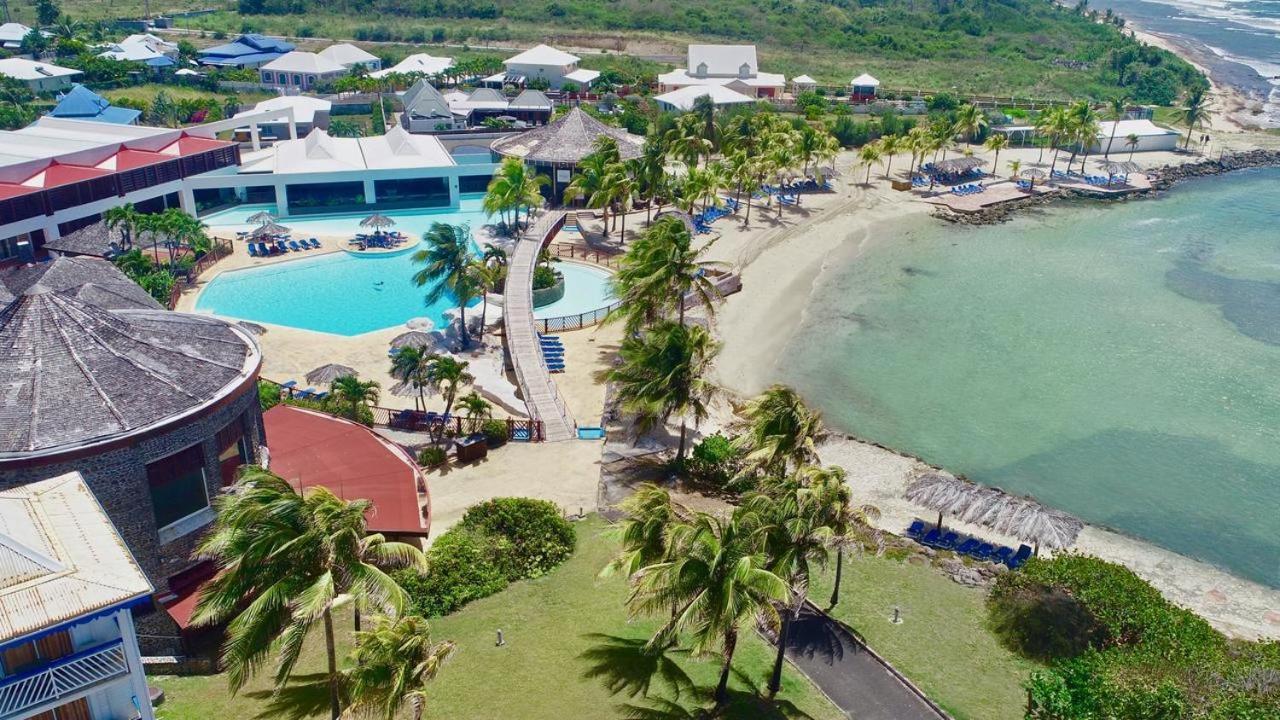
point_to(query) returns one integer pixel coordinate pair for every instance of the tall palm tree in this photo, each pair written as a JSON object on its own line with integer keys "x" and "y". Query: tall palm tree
{"x": 779, "y": 432}
{"x": 996, "y": 143}
{"x": 596, "y": 183}
{"x": 447, "y": 375}
{"x": 1118, "y": 106}
{"x": 687, "y": 140}
{"x": 285, "y": 561}
{"x": 1195, "y": 113}
{"x": 1059, "y": 126}
{"x": 410, "y": 364}
{"x": 125, "y": 219}
{"x": 354, "y": 392}
{"x": 1083, "y": 130}
{"x": 650, "y": 513}
{"x": 448, "y": 270}
{"x": 663, "y": 373}
{"x": 1045, "y": 126}
{"x": 891, "y": 145}
{"x": 869, "y": 155}
{"x": 1132, "y": 141}
{"x": 512, "y": 188}
{"x": 475, "y": 406}
{"x": 391, "y": 665}
{"x": 486, "y": 275}
{"x": 849, "y": 523}
{"x": 716, "y": 579}
{"x": 659, "y": 272}
{"x": 649, "y": 172}
{"x": 970, "y": 120}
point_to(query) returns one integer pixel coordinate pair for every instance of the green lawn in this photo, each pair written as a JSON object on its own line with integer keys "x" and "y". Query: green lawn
{"x": 148, "y": 92}
{"x": 559, "y": 629}
{"x": 943, "y": 643}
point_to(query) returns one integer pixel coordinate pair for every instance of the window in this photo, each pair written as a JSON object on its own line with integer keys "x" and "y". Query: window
{"x": 178, "y": 486}
{"x": 297, "y": 79}
{"x": 233, "y": 450}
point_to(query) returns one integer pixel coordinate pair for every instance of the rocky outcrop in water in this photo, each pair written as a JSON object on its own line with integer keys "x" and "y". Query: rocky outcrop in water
{"x": 1163, "y": 178}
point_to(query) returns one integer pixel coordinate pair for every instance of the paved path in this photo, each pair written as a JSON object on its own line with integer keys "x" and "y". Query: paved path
{"x": 535, "y": 381}
{"x": 854, "y": 680}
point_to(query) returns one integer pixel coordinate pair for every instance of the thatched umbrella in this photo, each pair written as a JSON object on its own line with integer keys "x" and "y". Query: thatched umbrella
{"x": 1021, "y": 517}
{"x": 377, "y": 221}
{"x": 421, "y": 323}
{"x": 959, "y": 165}
{"x": 1114, "y": 168}
{"x": 413, "y": 338}
{"x": 1034, "y": 174}
{"x": 270, "y": 228}
{"x": 326, "y": 374}
{"x": 261, "y": 218}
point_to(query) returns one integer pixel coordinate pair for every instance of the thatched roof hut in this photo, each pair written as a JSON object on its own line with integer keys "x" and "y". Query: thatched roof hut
{"x": 958, "y": 165}
{"x": 564, "y": 142}
{"x": 1021, "y": 517}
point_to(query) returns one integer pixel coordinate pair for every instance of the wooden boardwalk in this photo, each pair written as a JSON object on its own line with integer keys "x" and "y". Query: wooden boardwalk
{"x": 532, "y": 375}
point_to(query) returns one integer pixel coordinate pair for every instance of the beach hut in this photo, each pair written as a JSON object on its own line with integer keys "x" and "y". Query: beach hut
{"x": 377, "y": 221}
{"x": 326, "y": 374}
{"x": 1015, "y": 515}
{"x": 863, "y": 88}
{"x": 269, "y": 229}
{"x": 556, "y": 148}
{"x": 804, "y": 83}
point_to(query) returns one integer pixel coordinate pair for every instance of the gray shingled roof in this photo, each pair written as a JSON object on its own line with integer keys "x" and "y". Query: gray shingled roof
{"x": 96, "y": 240}
{"x": 86, "y": 359}
{"x": 531, "y": 100}
{"x": 423, "y": 100}
{"x": 567, "y": 140}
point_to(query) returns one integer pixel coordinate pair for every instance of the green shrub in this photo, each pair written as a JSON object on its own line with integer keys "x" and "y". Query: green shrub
{"x": 544, "y": 277}
{"x": 432, "y": 456}
{"x": 530, "y": 535}
{"x": 268, "y": 395}
{"x": 460, "y": 568}
{"x": 1045, "y": 623}
{"x": 715, "y": 460}
{"x": 495, "y": 432}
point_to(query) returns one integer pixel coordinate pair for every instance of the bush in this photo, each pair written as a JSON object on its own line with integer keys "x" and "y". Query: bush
{"x": 544, "y": 277}
{"x": 1041, "y": 622}
{"x": 460, "y": 568}
{"x": 714, "y": 460}
{"x": 268, "y": 395}
{"x": 530, "y": 535}
{"x": 495, "y": 432}
{"x": 432, "y": 456}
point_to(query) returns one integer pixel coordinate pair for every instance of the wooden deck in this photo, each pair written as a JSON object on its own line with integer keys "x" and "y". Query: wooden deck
{"x": 532, "y": 375}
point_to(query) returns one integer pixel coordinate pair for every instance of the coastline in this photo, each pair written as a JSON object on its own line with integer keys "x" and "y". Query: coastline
{"x": 783, "y": 265}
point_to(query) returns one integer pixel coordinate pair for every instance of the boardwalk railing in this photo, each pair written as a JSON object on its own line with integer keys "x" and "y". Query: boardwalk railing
{"x": 221, "y": 248}
{"x": 574, "y": 322}
{"x": 571, "y": 251}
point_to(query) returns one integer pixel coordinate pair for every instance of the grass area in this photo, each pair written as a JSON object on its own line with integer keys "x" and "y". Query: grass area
{"x": 943, "y": 643}
{"x": 567, "y": 641}
{"x": 147, "y": 93}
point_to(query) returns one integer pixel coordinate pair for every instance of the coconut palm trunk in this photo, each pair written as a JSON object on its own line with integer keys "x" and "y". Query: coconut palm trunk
{"x": 722, "y": 687}
{"x": 331, "y": 656}
{"x": 789, "y": 616}
{"x": 835, "y": 590}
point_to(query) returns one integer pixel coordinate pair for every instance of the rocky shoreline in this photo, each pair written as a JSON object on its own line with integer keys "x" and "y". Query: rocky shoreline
{"x": 1162, "y": 178}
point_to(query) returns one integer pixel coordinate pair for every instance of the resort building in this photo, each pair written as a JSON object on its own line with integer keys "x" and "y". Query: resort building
{"x": 307, "y": 113}
{"x": 11, "y": 35}
{"x": 863, "y": 88}
{"x": 324, "y": 174}
{"x": 81, "y": 103}
{"x": 426, "y": 110}
{"x": 58, "y": 175}
{"x": 732, "y": 66}
{"x": 531, "y": 107}
{"x": 155, "y": 409}
{"x": 249, "y": 51}
{"x": 556, "y": 149}
{"x": 40, "y": 77}
{"x": 69, "y": 587}
{"x": 420, "y": 63}
{"x": 350, "y": 57}
{"x": 143, "y": 48}
{"x": 543, "y": 62}
{"x": 683, "y": 99}
{"x": 1151, "y": 137}
{"x": 299, "y": 70}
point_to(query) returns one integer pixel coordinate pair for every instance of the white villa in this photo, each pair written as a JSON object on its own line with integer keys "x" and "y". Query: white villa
{"x": 683, "y": 99}
{"x": 143, "y": 48}
{"x": 39, "y": 76}
{"x": 802, "y": 84}
{"x": 557, "y": 67}
{"x": 68, "y": 584}
{"x": 732, "y": 66}
{"x": 1151, "y": 137}
{"x": 417, "y": 63}
{"x": 11, "y": 35}
{"x": 300, "y": 70}
{"x": 349, "y": 56}
{"x": 307, "y": 113}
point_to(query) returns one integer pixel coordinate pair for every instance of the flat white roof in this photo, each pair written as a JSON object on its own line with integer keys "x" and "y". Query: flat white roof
{"x": 684, "y": 98}
{"x": 347, "y": 54}
{"x": 582, "y": 75}
{"x": 13, "y": 32}
{"x": 49, "y": 138}
{"x": 417, "y": 63}
{"x": 1125, "y": 128}
{"x": 299, "y": 61}
{"x": 542, "y": 55}
{"x": 60, "y": 557}
{"x": 401, "y": 149}
{"x": 723, "y": 59}
{"x": 23, "y": 69}
{"x": 804, "y": 80}
{"x": 304, "y": 107}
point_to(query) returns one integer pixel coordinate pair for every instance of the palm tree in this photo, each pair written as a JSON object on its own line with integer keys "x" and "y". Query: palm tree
{"x": 687, "y": 141}
{"x": 354, "y": 392}
{"x": 475, "y": 406}
{"x": 1045, "y": 127}
{"x": 1132, "y": 141}
{"x": 891, "y": 145}
{"x": 650, "y": 513}
{"x": 596, "y": 183}
{"x": 1015, "y": 167}
{"x": 869, "y": 155}
{"x": 1119, "y": 106}
{"x": 996, "y": 143}
{"x": 716, "y": 579}
{"x": 660, "y": 271}
{"x": 285, "y": 561}
{"x": 970, "y": 121}
{"x": 1082, "y": 130}
{"x": 410, "y": 364}
{"x": 513, "y": 187}
{"x": 486, "y": 276}
{"x": 448, "y": 270}
{"x": 125, "y": 219}
{"x": 779, "y": 431}
{"x": 849, "y": 523}
{"x": 649, "y": 171}
{"x": 391, "y": 665}
{"x": 663, "y": 373}
{"x": 1059, "y": 126}
{"x": 447, "y": 375}
{"x": 1195, "y": 114}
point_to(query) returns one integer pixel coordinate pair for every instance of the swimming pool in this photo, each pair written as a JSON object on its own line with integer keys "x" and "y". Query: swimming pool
{"x": 412, "y": 222}
{"x": 586, "y": 288}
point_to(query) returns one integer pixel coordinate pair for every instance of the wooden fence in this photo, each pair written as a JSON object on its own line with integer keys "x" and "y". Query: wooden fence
{"x": 221, "y": 248}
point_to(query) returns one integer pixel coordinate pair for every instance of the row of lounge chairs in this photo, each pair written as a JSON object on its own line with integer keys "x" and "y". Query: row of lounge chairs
{"x": 378, "y": 240}
{"x": 798, "y": 186}
{"x": 415, "y": 419}
{"x": 280, "y": 246}
{"x": 552, "y": 352}
{"x": 702, "y": 221}
{"x": 971, "y": 189}
{"x": 303, "y": 393}
{"x": 973, "y": 547}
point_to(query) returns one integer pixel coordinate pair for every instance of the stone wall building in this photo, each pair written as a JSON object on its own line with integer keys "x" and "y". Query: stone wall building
{"x": 154, "y": 409}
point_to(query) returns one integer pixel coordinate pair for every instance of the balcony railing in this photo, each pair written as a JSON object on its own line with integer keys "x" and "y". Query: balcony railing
{"x": 61, "y": 678}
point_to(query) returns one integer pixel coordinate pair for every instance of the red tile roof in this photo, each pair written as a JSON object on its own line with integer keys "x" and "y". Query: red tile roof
{"x": 190, "y": 145}
{"x": 8, "y": 190}
{"x": 60, "y": 174}
{"x": 309, "y": 449}
{"x": 129, "y": 159}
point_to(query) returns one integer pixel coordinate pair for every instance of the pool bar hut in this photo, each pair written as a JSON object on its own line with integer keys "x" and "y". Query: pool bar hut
{"x": 558, "y": 147}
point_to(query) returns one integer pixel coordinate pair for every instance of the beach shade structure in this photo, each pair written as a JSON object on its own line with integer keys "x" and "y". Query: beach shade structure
{"x": 377, "y": 221}
{"x": 958, "y": 165}
{"x": 414, "y": 338}
{"x": 270, "y": 228}
{"x": 1115, "y": 168}
{"x": 421, "y": 323}
{"x": 326, "y": 374}
{"x": 1034, "y": 174}
{"x": 1021, "y": 517}
{"x": 260, "y": 218}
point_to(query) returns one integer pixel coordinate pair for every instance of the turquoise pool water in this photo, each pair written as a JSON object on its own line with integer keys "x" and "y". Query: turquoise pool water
{"x": 1120, "y": 362}
{"x": 586, "y": 289}
{"x": 411, "y": 222}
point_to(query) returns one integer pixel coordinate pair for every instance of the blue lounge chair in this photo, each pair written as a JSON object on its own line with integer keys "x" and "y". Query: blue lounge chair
{"x": 932, "y": 538}
{"x": 281, "y": 246}
{"x": 1002, "y": 554}
{"x": 289, "y": 385}
{"x": 294, "y": 246}
{"x": 253, "y": 251}
{"x": 1020, "y": 557}
{"x": 916, "y": 530}
{"x": 984, "y": 551}
{"x": 314, "y": 243}
{"x": 967, "y": 547}
{"x": 948, "y": 541}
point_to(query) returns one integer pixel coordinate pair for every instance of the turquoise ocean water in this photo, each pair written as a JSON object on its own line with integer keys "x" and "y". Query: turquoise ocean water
{"x": 1120, "y": 362}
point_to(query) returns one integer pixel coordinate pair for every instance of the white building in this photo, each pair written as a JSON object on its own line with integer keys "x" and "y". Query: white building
{"x": 1151, "y": 137}
{"x": 683, "y": 99}
{"x": 804, "y": 83}
{"x": 421, "y": 63}
{"x": 299, "y": 70}
{"x": 67, "y": 585}
{"x": 307, "y": 113}
{"x": 349, "y": 56}
{"x": 544, "y": 62}
{"x": 863, "y": 87}
{"x": 144, "y": 48}
{"x": 40, "y": 77}
{"x": 732, "y": 66}
{"x": 11, "y": 35}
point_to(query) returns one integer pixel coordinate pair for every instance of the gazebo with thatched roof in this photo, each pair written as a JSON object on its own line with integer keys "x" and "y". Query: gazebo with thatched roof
{"x": 1021, "y": 517}
{"x": 557, "y": 147}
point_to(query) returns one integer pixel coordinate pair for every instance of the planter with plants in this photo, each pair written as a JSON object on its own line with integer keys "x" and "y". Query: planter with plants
{"x": 432, "y": 457}
{"x": 548, "y": 286}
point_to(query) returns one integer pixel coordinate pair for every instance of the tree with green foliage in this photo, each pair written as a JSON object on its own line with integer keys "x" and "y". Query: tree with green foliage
{"x": 870, "y": 156}
{"x": 47, "y": 12}
{"x": 410, "y": 365}
{"x": 514, "y": 187}
{"x": 1119, "y": 106}
{"x": 285, "y": 562}
{"x": 123, "y": 218}
{"x": 660, "y": 270}
{"x": 779, "y": 432}
{"x": 354, "y": 393}
{"x": 475, "y": 406}
{"x": 447, "y": 257}
{"x": 1195, "y": 113}
{"x": 391, "y": 665}
{"x": 447, "y": 374}
{"x": 995, "y": 144}
{"x": 970, "y": 121}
